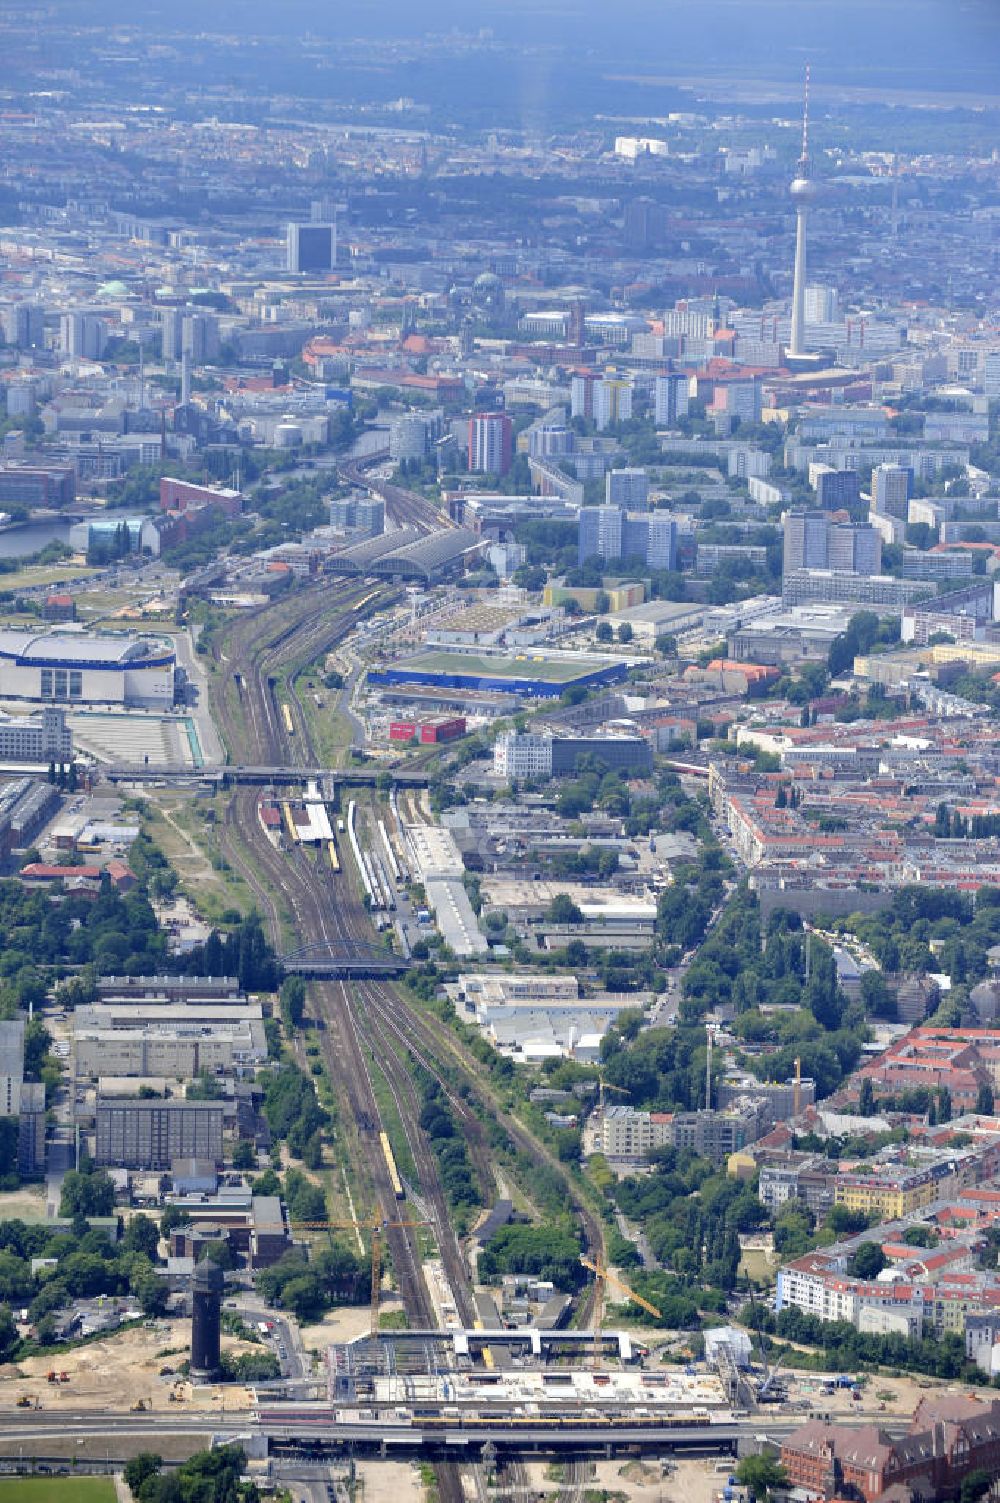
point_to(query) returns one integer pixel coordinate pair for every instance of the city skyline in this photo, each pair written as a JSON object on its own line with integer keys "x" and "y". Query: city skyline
{"x": 500, "y": 749}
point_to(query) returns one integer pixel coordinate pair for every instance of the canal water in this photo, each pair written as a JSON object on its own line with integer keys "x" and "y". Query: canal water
{"x": 31, "y": 537}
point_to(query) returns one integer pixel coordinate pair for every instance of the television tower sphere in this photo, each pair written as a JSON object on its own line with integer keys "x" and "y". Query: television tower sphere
{"x": 803, "y": 190}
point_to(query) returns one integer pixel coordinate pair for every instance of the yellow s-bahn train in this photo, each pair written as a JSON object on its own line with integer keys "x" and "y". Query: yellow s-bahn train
{"x": 390, "y": 1164}
{"x": 331, "y": 851}
{"x": 286, "y": 716}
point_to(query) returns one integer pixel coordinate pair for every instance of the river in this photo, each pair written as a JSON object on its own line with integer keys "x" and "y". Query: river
{"x": 31, "y": 537}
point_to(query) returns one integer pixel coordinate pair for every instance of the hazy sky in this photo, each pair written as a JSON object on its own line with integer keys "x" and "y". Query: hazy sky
{"x": 921, "y": 43}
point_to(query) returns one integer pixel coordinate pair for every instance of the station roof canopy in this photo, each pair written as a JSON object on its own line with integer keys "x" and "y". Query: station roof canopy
{"x": 358, "y": 558}
{"x": 427, "y": 556}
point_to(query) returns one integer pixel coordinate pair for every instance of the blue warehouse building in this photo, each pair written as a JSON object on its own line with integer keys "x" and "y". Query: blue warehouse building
{"x": 537, "y": 686}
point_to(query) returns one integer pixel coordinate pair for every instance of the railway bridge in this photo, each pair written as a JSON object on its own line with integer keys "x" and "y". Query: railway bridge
{"x": 346, "y": 961}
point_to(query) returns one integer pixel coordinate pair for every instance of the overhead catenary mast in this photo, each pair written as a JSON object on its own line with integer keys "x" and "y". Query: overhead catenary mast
{"x": 803, "y": 191}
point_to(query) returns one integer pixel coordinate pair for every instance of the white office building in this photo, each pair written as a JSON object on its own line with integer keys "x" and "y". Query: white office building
{"x": 991, "y": 375}
{"x": 522, "y": 755}
{"x": 37, "y": 739}
{"x": 822, "y": 305}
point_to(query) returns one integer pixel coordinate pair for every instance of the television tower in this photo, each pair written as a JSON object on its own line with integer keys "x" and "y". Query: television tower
{"x": 803, "y": 191}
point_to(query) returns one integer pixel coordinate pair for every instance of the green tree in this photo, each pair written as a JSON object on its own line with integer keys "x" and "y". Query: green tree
{"x": 145, "y": 1464}
{"x": 761, "y": 1474}
{"x": 868, "y": 1261}
{"x": 87, "y": 1193}
{"x": 152, "y": 1294}
{"x": 244, "y": 1155}
{"x": 142, "y": 1235}
{"x": 562, "y": 910}
{"x": 9, "y": 1339}
{"x": 293, "y": 1001}
{"x": 876, "y": 996}
{"x": 975, "y": 1484}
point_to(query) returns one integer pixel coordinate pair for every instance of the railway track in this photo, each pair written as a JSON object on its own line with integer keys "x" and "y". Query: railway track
{"x": 310, "y": 623}
{"x": 323, "y": 908}
{"x": 408, "y": 1105}
{"x": 403, "y": 506}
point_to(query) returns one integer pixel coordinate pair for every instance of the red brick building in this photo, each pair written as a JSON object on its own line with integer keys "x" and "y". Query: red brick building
{"x": 949, "y": 1436}
{"x": 180, "y": 495}
{"x": 428, "y": 732}
{"x": 59, "y": 608}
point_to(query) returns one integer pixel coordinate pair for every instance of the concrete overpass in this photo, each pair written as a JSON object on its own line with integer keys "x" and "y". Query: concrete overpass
{"x": 464, "y": 1440}
{"x": 105, "y": 1438}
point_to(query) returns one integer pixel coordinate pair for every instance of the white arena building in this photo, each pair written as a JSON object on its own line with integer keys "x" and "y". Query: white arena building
{"x": 77, "y": 668}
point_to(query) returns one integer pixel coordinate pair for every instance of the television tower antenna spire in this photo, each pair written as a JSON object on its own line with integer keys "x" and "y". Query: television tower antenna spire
{"x": 802, "y": 191}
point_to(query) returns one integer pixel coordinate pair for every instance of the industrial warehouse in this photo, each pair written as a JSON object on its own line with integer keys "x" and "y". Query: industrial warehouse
{"x": 538, "y": 676}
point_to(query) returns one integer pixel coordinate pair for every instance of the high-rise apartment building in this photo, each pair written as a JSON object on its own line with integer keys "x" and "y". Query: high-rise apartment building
{"x": 834, "y": 488}
{"x": 311, "y": 247}
{"x": 671, "y": 399}
{"x": 581, "y": 396}
{"x": 813, "y": 541}
{"x": 23, "y": 325}
{"x": 172, "y": 327}
{"x": 747, "y": 463}
{"x": 805, "y": 540}
{"x": 609, "y": 532}
{"x": 82, "y": 336}
{"x": 200, "y": 338}
{"x": 661, "y": 540}
{"x": 891, "y": 488}
{"x": 600, "y": 532}
{"x": 740, "y": 399}
{"x": 612, "y": 401}
{"x": 644, "y": 224}
{"x": 628, "y": 488}
{"x": 991, "y": 375}
{"x": 857, "y": 549}
{"x": 491, "y": 443}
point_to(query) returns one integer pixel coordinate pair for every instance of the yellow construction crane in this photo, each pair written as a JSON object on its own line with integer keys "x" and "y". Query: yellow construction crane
{"x": 376, "y": 1226}
{"x": 605, "y": 1085}
{"x": 602, "y": 1277}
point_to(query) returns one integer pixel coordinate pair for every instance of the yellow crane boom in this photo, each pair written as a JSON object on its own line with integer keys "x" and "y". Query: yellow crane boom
{"x": 605, "y": 1085}
{"x": 602, "y": 1277}
{"x": 377, "y": 1226}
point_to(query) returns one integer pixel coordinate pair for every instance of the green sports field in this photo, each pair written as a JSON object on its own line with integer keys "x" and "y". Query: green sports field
{"x": 65, "y": 1489}
{"x": 552, "y": 670}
